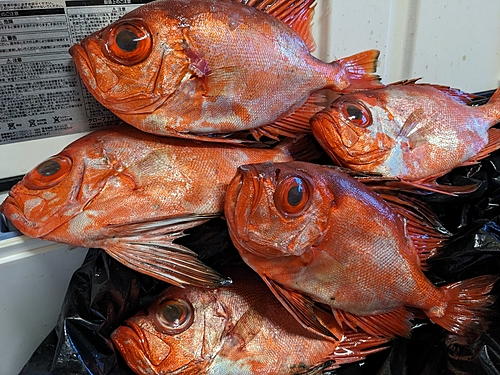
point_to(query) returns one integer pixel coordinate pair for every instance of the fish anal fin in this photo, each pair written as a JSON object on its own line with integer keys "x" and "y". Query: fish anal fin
{"x": 388, "y": 325}
{"x": 303, "y": 309}
{"x": 466, "y": 310}
{"x": 295, "y": 14}
{"x": 354, "y": 347}
{"x": 295, "y": 122}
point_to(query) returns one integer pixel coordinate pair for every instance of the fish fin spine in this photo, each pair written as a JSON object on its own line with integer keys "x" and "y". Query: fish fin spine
{"x": 359, "y": 72}
{"x": 296, "y": 14}
{"x": 492, "y": 145}
{"x": 295, "y": 122}
{"x": 466, "y": 309}
{"x": 354, "y": 347}
{"x": 389, "y": 324}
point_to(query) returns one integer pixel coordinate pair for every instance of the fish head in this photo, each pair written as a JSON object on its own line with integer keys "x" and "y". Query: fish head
{"x": 276, "y": 209}
{"x": 59, "y": 189}
{"x": 180, "y": 333}
{"x": 352, "y": 130}
{"x": 134, "y": 64}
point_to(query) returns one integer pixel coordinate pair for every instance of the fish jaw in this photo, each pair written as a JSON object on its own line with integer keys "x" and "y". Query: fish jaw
{"x": 37, "y": 215}
{"x": 250, "y": 209}
{"x": 348, "y": 146}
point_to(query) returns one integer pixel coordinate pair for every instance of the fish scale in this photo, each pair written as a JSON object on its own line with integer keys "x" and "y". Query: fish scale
{"x": 342, "y": 245}
{"x": 216, "y": 67}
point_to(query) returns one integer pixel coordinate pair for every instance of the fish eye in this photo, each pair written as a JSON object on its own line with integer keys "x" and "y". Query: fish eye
{"x": 357, "y": 113}
{"x": 291, "y": 196}
{"x": 128, "y": 43}
{"x": 49, "y": 173}
{"x": 174, "y": 316}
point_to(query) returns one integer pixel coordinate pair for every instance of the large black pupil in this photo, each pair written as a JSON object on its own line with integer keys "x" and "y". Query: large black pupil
{"x": 172, "y": 313}
{"x": 49, "y": 168}
{"x": 295, "y": 195}
{"x": 354, "y": 113}
{"x": 127, "y": 40}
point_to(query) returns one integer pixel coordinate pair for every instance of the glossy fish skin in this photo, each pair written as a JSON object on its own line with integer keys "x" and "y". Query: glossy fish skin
{"x": 241, "y": 329}
{"x": 312, "y": 232}
{"x": 132, "y": 193}
{"x": 211, "y": 66}
{"x": 416, "y": 132}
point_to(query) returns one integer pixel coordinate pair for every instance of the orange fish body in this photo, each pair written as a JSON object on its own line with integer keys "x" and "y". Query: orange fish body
{"x": 240, "y": 329}
{"x": 132, "y": 193}
{"x": 177, "y": 67}
{"x": 315, "y": 233}
{"x": 415, "y": 132}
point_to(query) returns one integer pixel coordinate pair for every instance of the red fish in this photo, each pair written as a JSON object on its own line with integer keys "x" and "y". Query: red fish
{"x": 132, "y": 194}
{"x": 415, "y": 132}
{"x": 315, "y": 234}
{"x": 240, "y": 329}
{"x": 182, "y": 67}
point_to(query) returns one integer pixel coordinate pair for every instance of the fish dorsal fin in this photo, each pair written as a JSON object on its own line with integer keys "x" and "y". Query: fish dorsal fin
{"x": 294, "y": 123}
{"x": 148, "y": 248}
{"x": 492, "y": 145}
{"x": 296, "y": 14}
{"x": 390, "y": 324}
{"x": 456, "y": 94}
{"x": 303, "y": 309}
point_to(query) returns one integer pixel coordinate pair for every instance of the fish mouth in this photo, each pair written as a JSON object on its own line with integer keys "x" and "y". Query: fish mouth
{"x": 129, "y": 340}
{"x": 84, "y": 67}
{"x": 245, "y": 185}
{"x": 12, "y": 211}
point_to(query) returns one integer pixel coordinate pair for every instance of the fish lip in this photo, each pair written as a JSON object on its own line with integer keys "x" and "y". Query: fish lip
{"x": 83, "y": 63}
{"x": 10, "y": 207}
{"x": 134, "y": 333}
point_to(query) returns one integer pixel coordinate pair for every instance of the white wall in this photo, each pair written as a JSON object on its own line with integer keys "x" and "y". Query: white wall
{"x": 450, "y": 42}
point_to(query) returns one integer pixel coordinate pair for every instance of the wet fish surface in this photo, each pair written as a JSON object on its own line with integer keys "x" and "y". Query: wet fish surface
{"x": 132, "y": 194}
{"x": 316, "y": 235}
{"x": 185, "y": 68}
{"x": 241, "y": 329}
{"x": 415, "y": 132}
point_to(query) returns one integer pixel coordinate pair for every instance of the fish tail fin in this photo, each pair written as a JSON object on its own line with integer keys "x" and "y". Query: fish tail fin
{"x": 466, "y": 310}
{"x": 302, "y": 148}
{"x": 357, "y": 72}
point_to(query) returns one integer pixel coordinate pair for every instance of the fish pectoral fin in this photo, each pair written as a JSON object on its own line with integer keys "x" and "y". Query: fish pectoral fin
{"x": 413, "y": 129}
{"x": 168, "y": 262}
{"x": 243, "y": 332}
{"x": 148, "y": 247}
{"x": 304, "y": 310}
{"x": 390, "y": 324}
